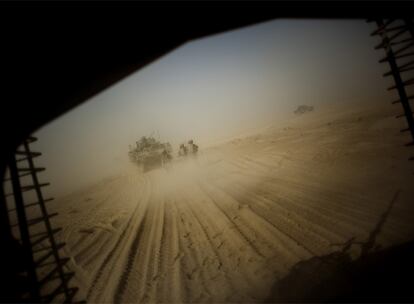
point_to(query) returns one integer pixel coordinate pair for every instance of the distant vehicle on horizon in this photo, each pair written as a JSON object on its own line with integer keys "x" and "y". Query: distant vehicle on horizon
{"x": 303, "y": 109}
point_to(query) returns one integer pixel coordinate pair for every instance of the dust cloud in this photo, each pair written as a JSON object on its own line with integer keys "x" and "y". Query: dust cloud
{"x": 212, "y": 90}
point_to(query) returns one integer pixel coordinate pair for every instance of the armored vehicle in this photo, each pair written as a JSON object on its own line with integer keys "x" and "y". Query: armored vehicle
{"x": 150, "y": 154}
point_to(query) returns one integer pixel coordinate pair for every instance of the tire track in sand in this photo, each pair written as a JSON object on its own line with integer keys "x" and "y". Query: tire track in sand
{"x": 119, "y": 290}
{"x": 141, "y": 267}
{"x": 118, "y": 246}
{"x": 153, "y": 252}
{"x": 191, "y": 262}
{"x": 231, "y": 221}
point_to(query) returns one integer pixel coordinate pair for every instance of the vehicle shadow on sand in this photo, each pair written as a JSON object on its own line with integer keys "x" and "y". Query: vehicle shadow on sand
{"x": 375, "y": 276}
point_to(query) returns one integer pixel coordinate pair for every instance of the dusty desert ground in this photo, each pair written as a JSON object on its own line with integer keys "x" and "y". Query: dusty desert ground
{"x": 226, "y": 226}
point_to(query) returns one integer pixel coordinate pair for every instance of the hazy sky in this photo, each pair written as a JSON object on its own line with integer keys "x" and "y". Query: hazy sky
{"x": 213, "y": 88}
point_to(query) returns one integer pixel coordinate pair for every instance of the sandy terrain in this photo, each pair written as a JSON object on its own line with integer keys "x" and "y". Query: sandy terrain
{"x": 226, "y": 226}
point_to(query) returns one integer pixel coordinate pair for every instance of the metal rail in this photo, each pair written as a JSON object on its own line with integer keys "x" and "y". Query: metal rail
{"x": 38, "y": 243}
{"x": 397, "y": 48}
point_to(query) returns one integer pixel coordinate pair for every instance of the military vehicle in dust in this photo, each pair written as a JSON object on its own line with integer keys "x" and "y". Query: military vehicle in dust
{"x": 188, "y": 149}
{"x": 150, "y": 154}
